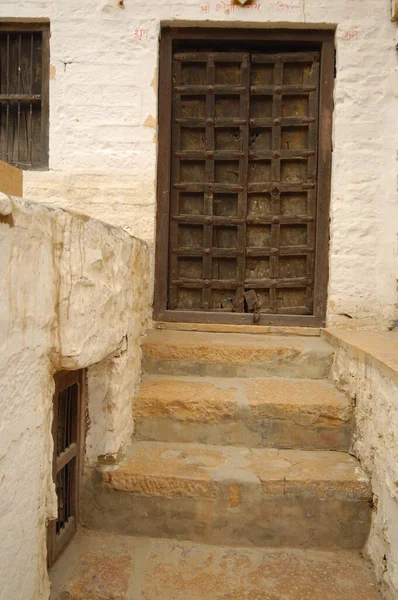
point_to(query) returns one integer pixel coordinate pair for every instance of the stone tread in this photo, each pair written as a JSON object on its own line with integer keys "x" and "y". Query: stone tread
{"x": 239, "y": 347}
{"x": 101, "y": 566}
{"x": 211, "y": 399}
{"x": 194, "y": 470}
{"x": 235, "y": 355}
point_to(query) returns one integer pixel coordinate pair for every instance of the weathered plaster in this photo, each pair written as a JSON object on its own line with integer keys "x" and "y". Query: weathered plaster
{"x": 376, "y": 445}
{"x": 102, "y": 153}
{"x": 75, "y": 292}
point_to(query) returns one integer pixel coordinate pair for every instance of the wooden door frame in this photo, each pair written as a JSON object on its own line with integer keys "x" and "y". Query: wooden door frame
{"x": 324, "y": 39}
{"x": 37, "y": 26}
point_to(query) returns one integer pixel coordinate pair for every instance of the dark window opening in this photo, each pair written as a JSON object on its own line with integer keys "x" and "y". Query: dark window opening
{"x": 24, "y": 82}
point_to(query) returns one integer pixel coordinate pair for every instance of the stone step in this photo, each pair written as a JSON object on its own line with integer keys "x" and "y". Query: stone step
{"x": 98, "y": 565}
{"x": 229, "y": 495}
{"x": 280, "y": 413}
{"x": 235, "y": 355}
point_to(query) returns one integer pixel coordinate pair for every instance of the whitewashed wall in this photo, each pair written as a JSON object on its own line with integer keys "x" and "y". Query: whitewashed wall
{"x": 104, "y": 56}
{"x": 375, "y": 394}
{"x": 75, "y": 293}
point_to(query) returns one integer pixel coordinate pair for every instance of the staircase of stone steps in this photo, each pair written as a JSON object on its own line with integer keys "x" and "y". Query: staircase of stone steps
{"x": 240, "y": 441}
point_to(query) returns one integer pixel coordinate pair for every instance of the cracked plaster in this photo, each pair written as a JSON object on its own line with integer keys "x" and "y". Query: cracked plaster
{"x": 75, "y": 294}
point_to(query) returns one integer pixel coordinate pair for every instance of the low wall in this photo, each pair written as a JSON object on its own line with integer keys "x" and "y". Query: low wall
{"x": 366, "y": 366}
{"x": 75, "y": 293}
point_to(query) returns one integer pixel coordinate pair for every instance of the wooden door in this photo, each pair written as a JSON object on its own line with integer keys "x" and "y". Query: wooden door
{"x": 243, "y": 189}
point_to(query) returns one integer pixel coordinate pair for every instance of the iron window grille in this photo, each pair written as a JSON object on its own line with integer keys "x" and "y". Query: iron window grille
{"x": 67, "y": 433}
{"x": 24, "y": 90}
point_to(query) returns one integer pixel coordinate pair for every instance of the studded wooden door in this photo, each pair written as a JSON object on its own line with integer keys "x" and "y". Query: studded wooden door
{"x": 243, "y": 189}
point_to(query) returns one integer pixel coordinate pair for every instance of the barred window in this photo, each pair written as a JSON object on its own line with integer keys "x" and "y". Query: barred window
{"x": 24, "y": 75}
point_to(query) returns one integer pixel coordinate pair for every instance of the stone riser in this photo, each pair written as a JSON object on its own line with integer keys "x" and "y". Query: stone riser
{"x": 303, "y": 368}
{"x": 299, "y": 520}
{"x": 269, "y": 433}
{"x": 227, "y": 495}
{"x": 235, "y": 355}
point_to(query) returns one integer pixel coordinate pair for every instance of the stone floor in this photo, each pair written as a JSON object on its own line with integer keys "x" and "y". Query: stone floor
{"x": 99, "y": 566}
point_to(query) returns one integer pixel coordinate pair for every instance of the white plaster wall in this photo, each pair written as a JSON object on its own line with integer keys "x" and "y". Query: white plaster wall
{"x": 376, "y": 445}
{"x": 75, "y": 292}
{"x": 104, "y": 56}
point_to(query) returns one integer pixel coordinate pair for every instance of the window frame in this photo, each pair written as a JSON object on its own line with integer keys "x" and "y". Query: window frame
{"x": 56, "y": 543}
{"x": 43, "y": 27}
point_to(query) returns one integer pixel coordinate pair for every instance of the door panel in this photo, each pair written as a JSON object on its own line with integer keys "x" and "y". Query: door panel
{"x": 243, "y": 183}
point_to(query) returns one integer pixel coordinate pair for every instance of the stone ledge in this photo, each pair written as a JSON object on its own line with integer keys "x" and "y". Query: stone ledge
{"x": 378, "y": 349}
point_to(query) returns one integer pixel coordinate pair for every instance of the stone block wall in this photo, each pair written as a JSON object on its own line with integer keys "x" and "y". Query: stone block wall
{"x": 375, "y": 393}
{"x": 75, "y": 293}
{"x": 103, "y": 115}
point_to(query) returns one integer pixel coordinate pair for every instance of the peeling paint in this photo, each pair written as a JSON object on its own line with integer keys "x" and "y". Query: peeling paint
{"x": 150, "y": 121}
{"x": 154, "y": 82}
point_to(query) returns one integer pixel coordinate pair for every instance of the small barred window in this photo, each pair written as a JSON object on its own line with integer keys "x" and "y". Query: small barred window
{"x": 24, "y": 74}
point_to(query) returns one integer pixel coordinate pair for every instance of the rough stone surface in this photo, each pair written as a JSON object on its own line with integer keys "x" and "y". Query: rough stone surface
{"x": 167, "y": 569}
{"x": 74, "y": 293}
{"x": 184, "y": 400}
{"x": 252, "y": 329}
{"x": 366, "y": 367}
{"x": 103, "y": 114}
{"x": 230, "y": 495}
{"x": 235, "y": 355}
{"x": 98, "y": 567}
{"x": 273, "y": 412}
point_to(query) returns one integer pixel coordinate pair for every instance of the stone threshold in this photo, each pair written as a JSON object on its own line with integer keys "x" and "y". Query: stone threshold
{"x": 225, "y": 328}
{"x": 378, "y": 349}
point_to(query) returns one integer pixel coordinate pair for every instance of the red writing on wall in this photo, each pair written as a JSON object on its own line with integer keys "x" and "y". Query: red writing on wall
{"x": 141, "y": 34}
{"x": 205, "y": 8}
{"x": 285, "y": 6}
{"x": 351, "y": 34}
